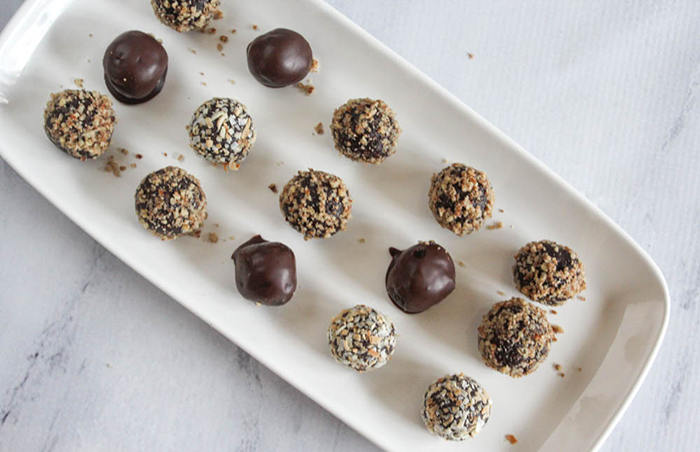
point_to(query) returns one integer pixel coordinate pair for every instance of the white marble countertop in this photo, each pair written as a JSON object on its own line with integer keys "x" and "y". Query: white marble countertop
{"x": 605, "y": 92}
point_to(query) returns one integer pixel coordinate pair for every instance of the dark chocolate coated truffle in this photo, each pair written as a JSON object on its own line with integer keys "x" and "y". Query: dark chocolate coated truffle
{"x": 461, "y": 198}
{"x": 317, "y": 204}
{"x": 515, "y": 337}
{"x": 365, "y": 130}
{"x": 420, "y": 277}
{"x": 222, "y": 132}
{"x": 548, "y": 272}
{"x": 80, "y": 122}
{"x": 185, "y": 15}
{"x": 135, "y": 66}
{"x": 279, "y": 58}
{"x": 170, "y": 203}
{"x": 266, "y": 272}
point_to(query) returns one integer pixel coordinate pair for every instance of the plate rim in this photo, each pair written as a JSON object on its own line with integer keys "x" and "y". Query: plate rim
{"x": 23, "y": 11}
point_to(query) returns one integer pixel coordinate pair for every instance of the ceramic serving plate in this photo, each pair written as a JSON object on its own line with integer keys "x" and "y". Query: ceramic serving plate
{"x": 612, "y": 337}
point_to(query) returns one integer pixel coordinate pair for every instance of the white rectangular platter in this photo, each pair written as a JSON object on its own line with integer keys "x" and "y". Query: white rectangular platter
{"x": 612, "y": 337}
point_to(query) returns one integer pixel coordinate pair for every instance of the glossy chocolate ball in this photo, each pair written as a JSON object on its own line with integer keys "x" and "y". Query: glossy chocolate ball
{"x": 135, "y": 66}
{"x": 420, "y": 277}
{"x": 279, "y": 58}
{"x": 266, "y": 272}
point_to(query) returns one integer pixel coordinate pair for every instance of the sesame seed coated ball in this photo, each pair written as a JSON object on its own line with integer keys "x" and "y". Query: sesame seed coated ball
{"x": 170, "y": 203}
{"x": 361, "y": 338}
{"x": 461, "y": 198}
{"x": 185, "y": 15}
{"x": 317, "y": 204}
{"x": 547, "y": 272}
{"x": 515, "y": 337}
{"x": 365, "y": 130}
{"x": 456, "y": 407}
{"x": 80, "y": 122}
{"x": 222, "y": 132}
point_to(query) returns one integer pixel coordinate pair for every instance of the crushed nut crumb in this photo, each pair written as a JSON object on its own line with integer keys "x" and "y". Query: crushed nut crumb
{"x": 133, "y": 165}
{"x": 511, "y": 439}
{"x": 557, "y": 329}
{"x": 124, "y": 151}
{"x": 461, "y": 264}
{"x": 306, "y": 88}
{"x": 112, "y": 166}
{"x": 255, "y": 27}
{"x": 165, "y": 154}
{"x": 361, "y": 240}
{"x": 233, "y": 31}
{"x": 557, "y": 367}
{"x": 78, "y": 82}
{"x": 501, "y": 210}
{"x": 554, "y": 311}
{"x": 230, "y": 237}
{"x": 211, "y": 31}
{"x": 180, "y": 158}
{"x": 223, "y": 38}
{"x": 562, "y": 374}
{"x": 579, "y": 369}
{"x": 218, "y": 14}
{"x": 232, "y": 81}
{"x": 219, "y": 47}
{"x": 213, "y": 238}
{"x": 139, "y": 156}
{"x": 470, "y": 55}
{"x": 500, "y": 292}
{"x": 90, "y": 35}
{"x": 122, "y": 168}
{"x": 204, "y": 83}
{"x": 314, "y": 66}
{"x": 319, "y": 128}
{"x": 582, "y": 298}
{"x": 273, "y": 188}
{"x": 194, "y": 52}
{"x": 495, "y": 225}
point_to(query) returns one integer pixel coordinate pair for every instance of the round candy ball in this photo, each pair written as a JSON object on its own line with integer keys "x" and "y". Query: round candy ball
{"x": 222, "y": 132}
{"x": 171, "y": 203}
{"x": 420, "y": 277}
{"x": 365, "y": 130}
{"x": 361, "y": 338}
{"x": 279, "y": 58}
{"x": 547, "y": 272}
{"x": 456, "y": 407}
{"x": 135, "y": 65}
{"x": 515, "y": 337}
{"x": 185, "y": 15}
{"x": 80, "y": 122}
{"x": 266, "y": 272}
{"x": 317, "y": 204}
{"x": 461, "y": 198}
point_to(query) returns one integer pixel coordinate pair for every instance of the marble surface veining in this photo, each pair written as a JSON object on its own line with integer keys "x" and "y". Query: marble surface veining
{"x": 605, "y": 92}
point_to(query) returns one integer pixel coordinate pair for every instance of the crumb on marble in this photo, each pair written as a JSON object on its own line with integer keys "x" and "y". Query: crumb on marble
{"x": 319, "y": 128}
{"x": 223, "y": 39}
{"x": 194, "y": 52}
{"x": 562, "y": 374}
{"x": 255, "y": 27}
{"x": 124, "y": 151}
{"x": 232, "y": 81}
{"x": 219, "y": 47}
{"x": 213, "y": 238}
{"x": 554, "y": 311}
{"x": 362, "y": 240}
{"x": 500, "y": 292}
{"x": 557, "y": 329}
{"x": 461, "y": 264}
{"x": 230, "y": 237}
{"x": 314, "y": 66}
{"x": 273, "y": 188}
{"x": 511, "y": 439}
{"x": 557, "y": 367}
{"x": 139, "y": 156}
{"x": 133, "y": 165}
{"x": 112, "y": 166}
{"x": 582, "y": 298}
{"x": 501, "y": 210}
{"x": 218, "y": 14}
{"x": 470, "y": 55}
{"x": 180, "y": 157}
{"x": 79, "y": 82}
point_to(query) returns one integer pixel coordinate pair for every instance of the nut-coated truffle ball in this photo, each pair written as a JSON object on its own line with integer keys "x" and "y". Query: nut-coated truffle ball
{"x": 515, "y": 337}
{"x": 185, "y": 15}
{"x": 316, "y": 204}
{"x": 547, "y": 272}
{"x": 365, "y": 130}
{"x": 222, "y": 132}
{"x": 456, "y": 407}
{"x": 361, "y": 338}
{"x": 171, "y": 203}
{"x": 461, "y": 198}
{"x": 80, "y": 122}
